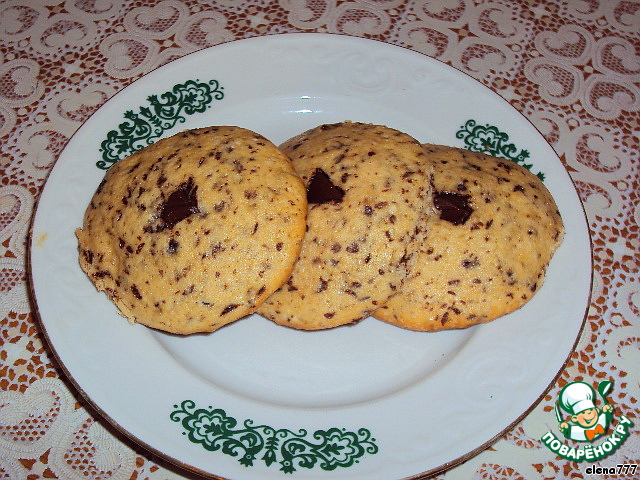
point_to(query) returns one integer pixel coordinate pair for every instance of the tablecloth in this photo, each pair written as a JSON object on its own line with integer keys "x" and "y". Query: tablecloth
{"x": 572, "y": 67}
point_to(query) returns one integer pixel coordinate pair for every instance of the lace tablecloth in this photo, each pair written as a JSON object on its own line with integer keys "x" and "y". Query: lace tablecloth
{"x": 571, "y": 67}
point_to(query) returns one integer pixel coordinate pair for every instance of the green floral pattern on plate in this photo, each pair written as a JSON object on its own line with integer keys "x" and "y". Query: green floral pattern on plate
{"x": 327, "y": 449}
{"x": 150, "y": 122}
{"x": 490, "y": 140}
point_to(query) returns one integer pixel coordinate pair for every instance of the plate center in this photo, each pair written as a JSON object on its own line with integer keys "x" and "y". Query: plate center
{"x": 257, "y": 359}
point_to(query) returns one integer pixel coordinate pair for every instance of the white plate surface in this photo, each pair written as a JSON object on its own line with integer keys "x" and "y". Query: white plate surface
{"x": 248, "y": 401}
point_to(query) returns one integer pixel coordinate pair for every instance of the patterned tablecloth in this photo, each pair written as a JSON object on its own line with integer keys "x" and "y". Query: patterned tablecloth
{"x": 572, "y": 67}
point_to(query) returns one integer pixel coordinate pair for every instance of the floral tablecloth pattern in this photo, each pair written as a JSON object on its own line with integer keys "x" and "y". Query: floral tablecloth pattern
{"x": 572, "y": 67}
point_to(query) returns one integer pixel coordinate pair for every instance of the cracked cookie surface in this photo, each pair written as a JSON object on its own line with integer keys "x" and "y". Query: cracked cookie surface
{"x": 195, "y": 231}
{"x": 368, "y": 189}
{"x": 494, "y": 231}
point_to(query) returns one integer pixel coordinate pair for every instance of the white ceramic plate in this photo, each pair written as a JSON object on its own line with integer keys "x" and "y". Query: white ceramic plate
{"x": 258, "y": 401}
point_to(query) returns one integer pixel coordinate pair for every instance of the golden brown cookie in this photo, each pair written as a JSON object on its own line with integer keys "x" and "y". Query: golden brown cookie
{"x": 196, "y": 230}
{"x": 368, "y": 189}
{"x": 494, "y": 230}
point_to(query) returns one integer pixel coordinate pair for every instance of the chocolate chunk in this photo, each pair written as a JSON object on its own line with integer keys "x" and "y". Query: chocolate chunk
{"x": 453, "y": 207}
{"x": 322, "y": 190}
{"x": 182, "y": 203}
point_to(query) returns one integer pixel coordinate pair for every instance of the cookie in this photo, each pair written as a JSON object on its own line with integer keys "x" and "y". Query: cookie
{"x": 494, "y": 230}
{"x": 196, "y": 230}
{"x": 367, "y": 189}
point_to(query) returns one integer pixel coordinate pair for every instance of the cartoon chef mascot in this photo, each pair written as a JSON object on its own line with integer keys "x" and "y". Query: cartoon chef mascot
{"x": 588, "y": 422}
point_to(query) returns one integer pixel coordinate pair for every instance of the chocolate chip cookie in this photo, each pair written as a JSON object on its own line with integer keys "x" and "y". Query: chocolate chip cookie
{"x": 195, "y": 231}
{"x": 368, "y": 189}
{"x": 494, "y": 230}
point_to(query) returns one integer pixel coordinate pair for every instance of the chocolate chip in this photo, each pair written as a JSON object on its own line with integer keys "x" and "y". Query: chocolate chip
{"x": 470, "y": 262}
{"x": 216, "y": 248}
{"x": 88, "y": 256}
{"x": 453, "y": 207}
{"x": 173, "y": 246}
{"x": 368, "y": 211}
{"x": 136, "y": 292}
{"x": 182, "y": 203}
{"x": 322, "y": 190}
{"x": 229, "y": 308}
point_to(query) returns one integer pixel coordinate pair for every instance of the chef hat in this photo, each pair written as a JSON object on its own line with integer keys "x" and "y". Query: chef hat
{"x": 577, "y": 397}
